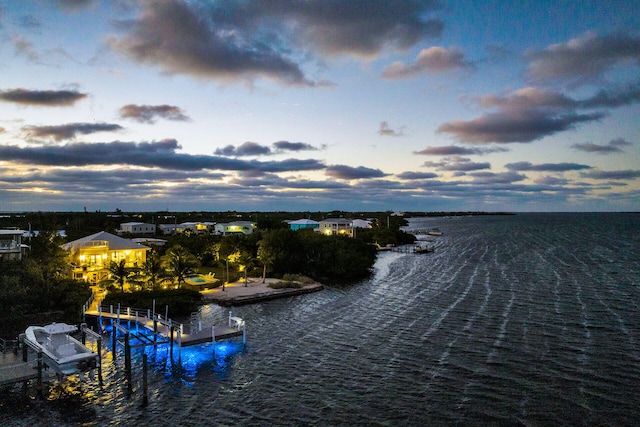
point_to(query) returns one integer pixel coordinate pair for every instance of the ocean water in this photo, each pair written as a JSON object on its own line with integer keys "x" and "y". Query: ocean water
{"x": 530, "y": 319}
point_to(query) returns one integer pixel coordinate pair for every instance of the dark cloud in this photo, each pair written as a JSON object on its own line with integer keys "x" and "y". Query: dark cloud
{"x": 47, "y": 98}
{"x": 161, "y": 154}
{"x": 293, "y": 146}
{"x": 180, "y": 38}
{"x": 584, "y": 59}
{"x": 355, "y": 27}
{"x": 546, "y": 167}
{"x": 242, "y": 40}
{"x": 75, "y": 4}
{"x": 450, "y": 150}
{"x": 489, "y": 178}
{"x": 551, "y": 180}
{"x": 612, "y": 147}
{"x": 245, "y": 149}
{"x": 432, "y": 60}
{"x": 349, "y": 172}
{"x": 416, "y": 175}
{"x": 69, "y": 131}
{"x": 385, "y": 130}
{"x": 525, "y": 116}
{"x": 620, "y": 174}
{"x": 149, "y": 113}
{"x": 457, "y": 164}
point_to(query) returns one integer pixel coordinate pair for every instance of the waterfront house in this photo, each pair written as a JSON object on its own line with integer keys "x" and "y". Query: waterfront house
{"x": 336, "y": 226}
{"x": 187, "y": 228}
{"x": 11, "y": 245}
{"x": 303, "y": 223}
{"x": 90, "y": 256}
{"x": 136, "y": 228}
{"x": 236, "y": 227}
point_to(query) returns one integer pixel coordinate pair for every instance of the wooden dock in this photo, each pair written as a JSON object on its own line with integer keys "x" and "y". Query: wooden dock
{"x": 14, "y": 370}
{"x": 166, "y": 330}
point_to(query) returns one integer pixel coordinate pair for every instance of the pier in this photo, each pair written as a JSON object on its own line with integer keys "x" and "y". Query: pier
{"x": 145, "y": 327}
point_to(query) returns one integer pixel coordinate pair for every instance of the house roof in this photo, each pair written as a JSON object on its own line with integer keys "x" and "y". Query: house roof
{"x": 304, "y": 222}
{"x": 114, "y": 242}
{"x": 336, "y": 221}
{"x": 131, "y": 223}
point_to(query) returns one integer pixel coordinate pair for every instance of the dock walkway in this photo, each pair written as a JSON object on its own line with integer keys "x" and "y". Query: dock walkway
{"x": 168, "y": 330}
{"x": 14, "y": 370}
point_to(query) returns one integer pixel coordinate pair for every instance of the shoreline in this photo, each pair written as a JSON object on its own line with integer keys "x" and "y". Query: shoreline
{"x": 236, "y": 293}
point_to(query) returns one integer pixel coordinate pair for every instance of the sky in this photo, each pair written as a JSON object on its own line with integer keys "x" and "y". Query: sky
{"x": 319, "y": 105}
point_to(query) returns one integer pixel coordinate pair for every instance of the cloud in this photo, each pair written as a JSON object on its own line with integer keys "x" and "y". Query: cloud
{"x": 293, "y": 146}
{"x": 75, "y": 4}
{"x": 160, "y": 154}
{"x": 617, "y": 175}
{"x": 47, "y": 98}
{"x": 530, "y": 114}
{"x": 361, "y": 28}
{"x": 584, "y": 59}
{"x": 69, "y": 130}
{"x": 245, "y": 149}
{"x": 249, "y": 39}
{"x": 457, "y": 164}
{"x": 149, "y": 113}
{"x": 546, "y": 167}
{"x": 490, "y": 178}
{"x": 432, "y": 60}
{"x": 416, "y": 175}
{"x": 181, "y": 39}
{"x": 385, "y": 130}
{"x": 450, "y": 150}
{"x": 551, "y": 180}
{"x": 349, "y": 172}
{"x": 612, "y": 147}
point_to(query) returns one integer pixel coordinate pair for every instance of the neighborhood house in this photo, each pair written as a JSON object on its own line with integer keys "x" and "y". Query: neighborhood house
{"x": 92, "y": 255}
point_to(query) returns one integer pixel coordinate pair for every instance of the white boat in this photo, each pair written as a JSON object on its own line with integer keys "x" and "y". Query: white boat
{"x": 62, "y": 353}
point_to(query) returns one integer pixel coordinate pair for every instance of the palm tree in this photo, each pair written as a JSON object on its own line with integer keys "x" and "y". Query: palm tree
{"x": 153, "y": 271}
{"x": 265, "y": 256}
{"x": 119, "y": 272}
{"x": 179, "y": 263}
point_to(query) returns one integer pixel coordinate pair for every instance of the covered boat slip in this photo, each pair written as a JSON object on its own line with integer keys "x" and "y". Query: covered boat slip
{"x": 61, "y": 352}
{"x": 144, "y": 327}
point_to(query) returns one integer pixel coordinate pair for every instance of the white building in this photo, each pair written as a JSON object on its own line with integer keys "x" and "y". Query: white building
{"x": 11, "y": 245}
{"x": 336, "y": 226}
{"x": 244, "y": 227}
{"x": 136, "y": 228}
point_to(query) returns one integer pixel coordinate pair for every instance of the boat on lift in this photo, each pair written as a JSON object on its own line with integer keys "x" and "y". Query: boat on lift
{"x": 62, "y": 352}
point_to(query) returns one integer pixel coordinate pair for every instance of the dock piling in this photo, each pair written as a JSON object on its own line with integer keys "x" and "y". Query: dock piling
{"x": 145, "y": 396}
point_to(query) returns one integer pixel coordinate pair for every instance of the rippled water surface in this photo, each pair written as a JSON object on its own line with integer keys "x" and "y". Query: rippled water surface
{"x": 530, "y": 319}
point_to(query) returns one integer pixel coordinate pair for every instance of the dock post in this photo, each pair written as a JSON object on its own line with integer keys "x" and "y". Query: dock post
{"x": 137, "y": 322}
{"x": 154, "y": 308}
{"x": 230, "y": 317}
{"x": 155, "y": 330}
{"x": 213, "y": 336}
{"x": 127, "y": 362}
{"x": 100, "y": 361}
{"x": 145, "y": 398}
{"x": 39, "y": 371}
{"x": 113, "y": 340}
{"x": 166, "y": 312}
{"x": 171, "y": 342}
{"x": 180, "y": 345}
{"x": 24, "y": 348}
{"x": 83, "y": 335}
{"x": 244, "y": 334}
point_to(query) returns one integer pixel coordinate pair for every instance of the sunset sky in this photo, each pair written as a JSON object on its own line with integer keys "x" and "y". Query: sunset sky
{"x": 286, "y": 105}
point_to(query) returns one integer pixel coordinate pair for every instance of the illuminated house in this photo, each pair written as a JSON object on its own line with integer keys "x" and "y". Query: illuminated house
{"x": 11, "y": 245}
{"x": 187, "y": 228}
{"x": 91, "y": 255}
{"x": 244, "y": 227}
{"x": 336, "y": 226}
{"x": 136, "y": 228}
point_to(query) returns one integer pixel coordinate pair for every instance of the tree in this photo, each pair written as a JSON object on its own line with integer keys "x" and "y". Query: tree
{"x": 153, "y": 271}
{"x": 119, "y": 273}
{"x": 179, "y": 263}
